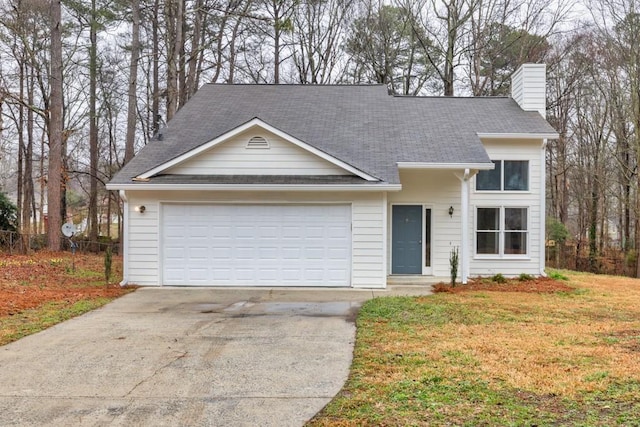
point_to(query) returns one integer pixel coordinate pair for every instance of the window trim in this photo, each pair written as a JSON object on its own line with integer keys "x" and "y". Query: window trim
{"x": 502, "y": 168}
{"x": 501, "y": 255}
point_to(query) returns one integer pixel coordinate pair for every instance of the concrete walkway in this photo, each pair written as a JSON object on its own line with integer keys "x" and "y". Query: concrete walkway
{"x": 187, "y": 357}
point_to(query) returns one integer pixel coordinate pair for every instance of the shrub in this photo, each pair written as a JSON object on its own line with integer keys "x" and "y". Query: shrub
{"x": 499, "y": 278}
{"x": 524, "y": 277}
{"x": 8, "y": 214}
{"x": 453, "y": 263}
{"x": 556, "y": 230}
{"x": 557, "y": 276}
{"x": 107, "y": 264}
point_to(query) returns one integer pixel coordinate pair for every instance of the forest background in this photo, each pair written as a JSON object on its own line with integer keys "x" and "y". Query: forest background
{"x": 84, "y": 84}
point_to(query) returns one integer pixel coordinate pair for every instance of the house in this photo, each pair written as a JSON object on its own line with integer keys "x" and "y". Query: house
{"x": 342, "y": 186}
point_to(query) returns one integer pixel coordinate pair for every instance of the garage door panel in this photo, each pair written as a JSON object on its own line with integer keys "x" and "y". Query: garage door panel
{"x": 337, "y": 253}
{"x": 222, "y": 274}
{"x": 290, "y": 253}
{"x": 220, "y": 253}
{"x": 260, "y": 245}
{"x": 198, "y": 254}
{"x": 171, "y": 252}
{"x": 174, "y": 274}
{"x": 198, "y": 274}
{"x": 269, "y": 254}
{"x": 220, "y": 231}
{"x": 291, "y": 232}
{"x": 311, "y": 254}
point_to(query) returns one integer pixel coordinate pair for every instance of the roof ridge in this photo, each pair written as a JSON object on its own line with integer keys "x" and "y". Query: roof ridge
{"x": 366, "y": 85}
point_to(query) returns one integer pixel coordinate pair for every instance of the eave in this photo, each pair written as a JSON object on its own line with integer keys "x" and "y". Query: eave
{"x": 255, "y": 187}
{"x": 540, "y": 135}
{"x": 456, "y": 166}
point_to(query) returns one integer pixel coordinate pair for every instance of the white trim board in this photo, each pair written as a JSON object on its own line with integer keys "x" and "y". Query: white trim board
{"x": 425, "y": 165}
{"x": 256, "y": 122}
{"x": 257, "y": 187}
{"x": 518, "y": 135}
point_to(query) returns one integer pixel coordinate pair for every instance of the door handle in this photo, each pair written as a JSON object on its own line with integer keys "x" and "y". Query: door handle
{"x": 419, "y": 242}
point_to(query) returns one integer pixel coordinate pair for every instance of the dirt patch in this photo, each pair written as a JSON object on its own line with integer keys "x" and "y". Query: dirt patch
{"x": 28, "y": 282}
{"x": 540, "y": 285}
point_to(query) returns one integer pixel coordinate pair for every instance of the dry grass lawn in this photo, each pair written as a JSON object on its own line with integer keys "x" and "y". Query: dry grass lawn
{"x": 498, "y": 358}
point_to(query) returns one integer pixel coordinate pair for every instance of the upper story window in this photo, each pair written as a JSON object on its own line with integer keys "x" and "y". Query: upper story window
{"x": 258, "y": 142}
{"x": 508, "y": 175}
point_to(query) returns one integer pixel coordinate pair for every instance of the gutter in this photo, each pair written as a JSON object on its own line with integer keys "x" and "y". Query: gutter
{"x": 125, "y": 239}
{"x": 255, "y": 187}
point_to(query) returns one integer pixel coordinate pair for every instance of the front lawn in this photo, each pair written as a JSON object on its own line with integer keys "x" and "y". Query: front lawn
{"x": 45, "y": 288}
{"x": 497, "y": 358}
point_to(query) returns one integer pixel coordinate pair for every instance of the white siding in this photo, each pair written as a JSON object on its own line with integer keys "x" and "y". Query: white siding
{"x": 438, "y": 190}
{"x": 511, "y": 150}
{"x": 143, "y": 255}
{"x": 368, "y": 229}
{"x": 528, "y": 87}
{"x": 234, "y": 158}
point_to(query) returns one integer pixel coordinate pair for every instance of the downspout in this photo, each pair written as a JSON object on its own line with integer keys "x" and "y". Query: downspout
{"x": 125, "y": 239}
{"x": 385, "y": 233}
{"x": 543, "y": 207}
{"x": 464, "y": 216}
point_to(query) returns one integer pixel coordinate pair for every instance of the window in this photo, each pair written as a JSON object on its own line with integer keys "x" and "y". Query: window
{"x": 488, "y": 229}
{"x": 508, "y": 175}
{"x": 501, "y": 231}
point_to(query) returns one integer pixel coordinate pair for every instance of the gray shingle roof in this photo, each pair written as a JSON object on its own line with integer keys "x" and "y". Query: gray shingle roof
{"x": 360, "y": 125}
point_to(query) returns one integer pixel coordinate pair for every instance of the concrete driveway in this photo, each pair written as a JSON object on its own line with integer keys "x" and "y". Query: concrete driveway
{"x": 187, "y": 357}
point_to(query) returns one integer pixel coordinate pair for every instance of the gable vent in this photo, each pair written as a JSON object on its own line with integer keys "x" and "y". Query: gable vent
{"x": 257, "y": 142}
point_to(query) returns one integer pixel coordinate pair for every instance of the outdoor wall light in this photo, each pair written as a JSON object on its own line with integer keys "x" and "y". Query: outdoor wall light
{"x": 141, "y": 209}
{"x": 450, "y": 211}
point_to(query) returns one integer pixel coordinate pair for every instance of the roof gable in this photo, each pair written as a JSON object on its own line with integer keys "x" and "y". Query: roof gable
{"x": 231, "y": 154}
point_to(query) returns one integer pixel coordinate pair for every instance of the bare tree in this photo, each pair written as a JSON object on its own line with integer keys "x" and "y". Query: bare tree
{"x": 133, "y": 81}
{"x": 319, "y": 29}
{"x": 54, "y": 184}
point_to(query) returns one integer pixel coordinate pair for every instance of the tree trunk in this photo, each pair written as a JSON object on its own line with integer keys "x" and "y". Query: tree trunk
{"x": 194, "y": 63}
{"x": 93, "y": 131}
{"x": 155, "y": 101}
{"x": 28, "y": 190}
{"x": 54, "y": 185}
{"x": 171, "y": 13}
{"x": 21, "y": 150}
{"x": 278, "y": 7}
{"x": 133, "y": 82}
{"x": 182, "y": 76}
{"x": 452, "y": 35}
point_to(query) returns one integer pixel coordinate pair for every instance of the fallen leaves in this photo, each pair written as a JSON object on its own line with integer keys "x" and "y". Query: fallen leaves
{"x": 30, "y": 281}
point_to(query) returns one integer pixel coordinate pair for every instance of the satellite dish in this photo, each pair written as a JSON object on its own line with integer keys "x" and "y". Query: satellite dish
{"x": 68, "y": 229}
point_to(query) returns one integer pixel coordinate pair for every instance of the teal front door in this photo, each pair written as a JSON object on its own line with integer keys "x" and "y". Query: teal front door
{"x": 406, "y": 239}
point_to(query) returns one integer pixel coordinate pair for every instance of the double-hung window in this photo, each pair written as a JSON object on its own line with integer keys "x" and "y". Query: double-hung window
{"x": 508, "y": 175}
{"x": 501, "y": 231}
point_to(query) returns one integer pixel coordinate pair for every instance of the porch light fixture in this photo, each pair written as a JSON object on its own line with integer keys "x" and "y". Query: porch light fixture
{"x": 140, "y": 209}
{"x": 450, "y": 211}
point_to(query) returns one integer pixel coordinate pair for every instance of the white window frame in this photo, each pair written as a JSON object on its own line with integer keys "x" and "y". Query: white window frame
{"x": 502, "y": 190}
{"x": 501, "y": 233}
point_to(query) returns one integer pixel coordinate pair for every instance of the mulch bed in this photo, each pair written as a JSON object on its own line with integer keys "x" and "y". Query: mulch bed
{"x": 544, "y": 285}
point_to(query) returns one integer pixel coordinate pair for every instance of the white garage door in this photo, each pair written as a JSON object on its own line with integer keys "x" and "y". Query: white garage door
{"x": 256, "y": 245}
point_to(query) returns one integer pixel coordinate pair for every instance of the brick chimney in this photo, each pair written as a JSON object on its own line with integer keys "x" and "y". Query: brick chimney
{"x": 528, "y": 88}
